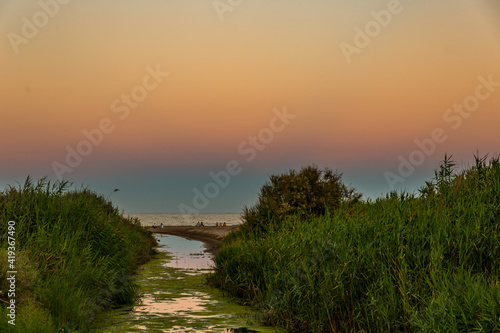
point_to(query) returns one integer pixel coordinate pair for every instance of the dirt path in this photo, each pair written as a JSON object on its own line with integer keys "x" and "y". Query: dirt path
{"x": 211, "y": 236}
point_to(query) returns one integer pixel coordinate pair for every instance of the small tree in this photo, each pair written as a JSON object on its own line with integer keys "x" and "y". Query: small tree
{"x": 305, "y": 194}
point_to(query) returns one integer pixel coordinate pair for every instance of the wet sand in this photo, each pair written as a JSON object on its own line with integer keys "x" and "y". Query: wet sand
{"x": 211, "y": 236}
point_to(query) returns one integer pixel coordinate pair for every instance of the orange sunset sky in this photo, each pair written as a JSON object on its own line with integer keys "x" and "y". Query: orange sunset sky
{"x": 158, "y": 97}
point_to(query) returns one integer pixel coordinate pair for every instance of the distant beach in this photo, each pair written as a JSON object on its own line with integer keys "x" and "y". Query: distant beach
{"x": 172, "y": 219}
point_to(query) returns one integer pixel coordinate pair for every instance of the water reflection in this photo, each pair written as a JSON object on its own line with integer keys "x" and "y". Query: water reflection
{"x": 179, "y": 304}
{"x": 175, "y": 297}
{"x": 187, "y": 254}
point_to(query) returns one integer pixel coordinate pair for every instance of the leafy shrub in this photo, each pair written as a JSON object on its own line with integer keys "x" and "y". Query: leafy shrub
{"x": 311, "y": 192}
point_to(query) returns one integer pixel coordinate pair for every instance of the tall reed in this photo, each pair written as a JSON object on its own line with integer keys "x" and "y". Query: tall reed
{"x": 75, "y": 255}
{"x": 426, "y": 262}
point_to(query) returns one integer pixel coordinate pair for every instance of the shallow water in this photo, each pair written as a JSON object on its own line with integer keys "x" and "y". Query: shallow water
{"x": 176, "y": 298}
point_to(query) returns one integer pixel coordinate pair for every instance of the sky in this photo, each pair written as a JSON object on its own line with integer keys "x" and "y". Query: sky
{"x": 189, "y": 106}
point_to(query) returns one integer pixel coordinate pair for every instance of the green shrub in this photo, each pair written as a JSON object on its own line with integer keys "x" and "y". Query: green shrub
{"x": 305, "y": 194}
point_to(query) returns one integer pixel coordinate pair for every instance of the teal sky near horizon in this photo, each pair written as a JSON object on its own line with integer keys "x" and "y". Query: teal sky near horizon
{"x": 189, "y": 105}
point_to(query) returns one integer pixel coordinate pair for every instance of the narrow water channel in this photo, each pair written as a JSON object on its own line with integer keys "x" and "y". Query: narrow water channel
{"x": 175, "y": 297}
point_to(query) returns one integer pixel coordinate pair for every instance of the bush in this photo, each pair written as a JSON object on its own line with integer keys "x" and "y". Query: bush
{"x": 305, "y": 194}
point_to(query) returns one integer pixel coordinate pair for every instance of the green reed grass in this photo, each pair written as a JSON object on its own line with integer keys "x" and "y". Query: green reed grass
{"x": 75, "y": 256}
{"x": 427, "y": 262}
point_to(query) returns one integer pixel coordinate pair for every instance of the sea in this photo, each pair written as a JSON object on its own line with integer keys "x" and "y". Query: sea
{"x": 170, "y": 219}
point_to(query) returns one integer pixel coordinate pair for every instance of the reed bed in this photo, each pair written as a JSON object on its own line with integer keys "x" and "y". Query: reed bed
{"x": 425, "y": 262}
{"x": 75, "y": 256}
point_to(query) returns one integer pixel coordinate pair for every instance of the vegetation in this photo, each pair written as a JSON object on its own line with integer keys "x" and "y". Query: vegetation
{"x": 306, "y": 194}
{"x": 74, "y": 256}
{"x": 426, "y": 262}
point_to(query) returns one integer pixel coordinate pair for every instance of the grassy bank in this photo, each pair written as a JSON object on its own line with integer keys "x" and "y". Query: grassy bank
{"x": 404, "y": 263}
{"x": 74, "y": 256}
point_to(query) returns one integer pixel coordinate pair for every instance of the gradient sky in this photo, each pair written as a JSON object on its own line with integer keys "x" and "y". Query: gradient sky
{"x": 227, "y": 71}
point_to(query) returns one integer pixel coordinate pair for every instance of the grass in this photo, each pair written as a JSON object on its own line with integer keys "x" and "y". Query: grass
{"x": 426, "y": 262}
{"x": 75, "y": 256}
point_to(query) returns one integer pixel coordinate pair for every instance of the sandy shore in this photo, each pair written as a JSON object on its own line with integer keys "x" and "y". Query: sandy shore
{"x": 211, "y": 236}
